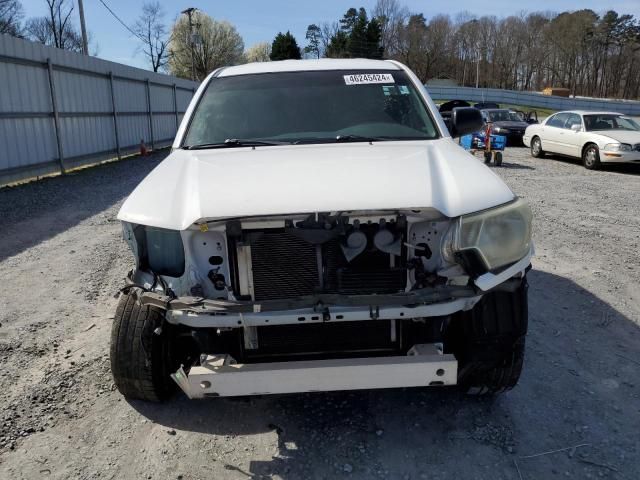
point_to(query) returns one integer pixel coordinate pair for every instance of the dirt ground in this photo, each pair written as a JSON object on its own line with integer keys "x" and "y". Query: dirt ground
{"x": 575, "y": 413}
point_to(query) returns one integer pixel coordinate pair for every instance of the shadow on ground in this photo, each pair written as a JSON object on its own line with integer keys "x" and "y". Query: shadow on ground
{"x": 516, "y": 166}
{"x": 624, "y": 168}
{"x": 580, "y": 386}
{"x": 36, "y": 211}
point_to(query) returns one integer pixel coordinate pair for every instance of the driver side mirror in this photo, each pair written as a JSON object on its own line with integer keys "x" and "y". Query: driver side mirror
{"x": 464, "y": 120}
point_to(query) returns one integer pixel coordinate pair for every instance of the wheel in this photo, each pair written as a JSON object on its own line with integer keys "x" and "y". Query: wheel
{"x": 497, "y": 159}
{"x": 487, "y": 158}
{"x": 140, "y": 358}
{"x": 489, "y": 342}
{"x": 591, "y": 157}
{"x": 536, "y": 148}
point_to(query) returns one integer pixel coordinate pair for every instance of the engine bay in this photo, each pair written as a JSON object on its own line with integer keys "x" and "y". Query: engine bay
{"x": 326, "y": 253}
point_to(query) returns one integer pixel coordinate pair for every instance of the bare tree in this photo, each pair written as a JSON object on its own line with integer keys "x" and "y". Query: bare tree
{"x": 39, "y": 30}
{"x": 440, "y": 31}
{"x": 152, "y": 32}
{"x": 56, "y": 29}
{"x": 392, "y": 17}
{"x": 219, "y": 44}
{"x": 411, "y": 46}
{"x": 59, "y": 21}
{"x": 327, "y": 32}
{"x": 10, "y": 16}
{"x": 258, "y": 53}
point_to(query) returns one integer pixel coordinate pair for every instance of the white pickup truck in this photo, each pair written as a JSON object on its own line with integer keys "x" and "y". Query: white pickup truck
{"x": 316, "y": 228}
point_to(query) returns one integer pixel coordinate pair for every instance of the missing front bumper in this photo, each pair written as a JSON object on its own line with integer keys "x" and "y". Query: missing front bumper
{"x": 200, "y": 305}
{"x": 218, "y": 376}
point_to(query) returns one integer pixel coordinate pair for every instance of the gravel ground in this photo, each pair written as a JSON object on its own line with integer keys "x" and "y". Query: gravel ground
{"x": 575, "y": 413}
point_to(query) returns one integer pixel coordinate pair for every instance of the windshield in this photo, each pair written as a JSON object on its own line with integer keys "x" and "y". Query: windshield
{"x": 503, "y": 116}
{"x": 609, "y": 122}
{"x": 310, "y": 107}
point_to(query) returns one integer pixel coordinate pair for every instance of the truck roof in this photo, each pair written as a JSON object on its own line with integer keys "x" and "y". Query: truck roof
{"x": 308, "y": 65}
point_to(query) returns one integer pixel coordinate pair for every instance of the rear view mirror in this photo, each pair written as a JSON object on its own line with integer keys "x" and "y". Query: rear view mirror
{"x": 576, "y": 127}
{"x": 464, "y": 120}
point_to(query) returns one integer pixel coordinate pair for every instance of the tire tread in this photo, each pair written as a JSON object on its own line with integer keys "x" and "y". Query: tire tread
{"x": 139, "y": 361}
{"x": 492, "y": 343}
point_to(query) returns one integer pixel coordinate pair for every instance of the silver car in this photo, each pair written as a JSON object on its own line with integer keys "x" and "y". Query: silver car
{"x": 594, "y": 137}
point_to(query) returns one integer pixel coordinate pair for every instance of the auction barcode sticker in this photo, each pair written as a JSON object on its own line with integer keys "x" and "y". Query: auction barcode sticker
{"x": 368, "y": 78}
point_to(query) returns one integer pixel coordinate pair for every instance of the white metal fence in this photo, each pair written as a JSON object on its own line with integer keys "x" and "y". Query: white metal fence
{"x": 60, "y": 110}
{"x": 531, "y": 99}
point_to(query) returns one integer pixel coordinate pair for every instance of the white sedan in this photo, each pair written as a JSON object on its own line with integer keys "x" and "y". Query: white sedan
{"x": 595, "y": 137}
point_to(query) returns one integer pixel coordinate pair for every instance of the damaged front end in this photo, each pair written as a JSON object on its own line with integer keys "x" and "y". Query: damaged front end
{"x": 300, "y": 268}
{"x": 345, "y": 287}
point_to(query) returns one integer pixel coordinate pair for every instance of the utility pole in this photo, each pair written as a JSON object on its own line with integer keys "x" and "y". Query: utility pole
{"x": 85, "y": 46}
{"x": 474, "y": 22}
{"x": 478, "y": 68}
{"x": 189, "y": 13}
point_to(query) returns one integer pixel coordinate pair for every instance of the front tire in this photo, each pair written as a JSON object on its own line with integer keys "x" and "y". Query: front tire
{"x": 490, "y": 342}
{"x": 591, "y": 157}
{"x": 140, "y": 358}
{"x": 536, "y": 148}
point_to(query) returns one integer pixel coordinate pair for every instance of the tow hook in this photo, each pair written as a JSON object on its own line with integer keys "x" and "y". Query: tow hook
{"x": 374, "y": 314}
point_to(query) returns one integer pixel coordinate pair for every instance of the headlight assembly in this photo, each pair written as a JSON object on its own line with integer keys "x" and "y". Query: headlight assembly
{"x": 165, "y": 252}
{"x": 617, "y": 147}
{"x": 156, "y": 249}
{"x": 499, "y": 236}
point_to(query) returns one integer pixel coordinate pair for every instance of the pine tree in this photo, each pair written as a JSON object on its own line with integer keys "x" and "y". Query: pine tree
{"x": 358, "y": 37}
{"x": 313, "y": 35}
{"x": 285, "y": 47}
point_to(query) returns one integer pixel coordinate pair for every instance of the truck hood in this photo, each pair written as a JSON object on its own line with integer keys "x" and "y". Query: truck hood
{"x": 193, "y": 185}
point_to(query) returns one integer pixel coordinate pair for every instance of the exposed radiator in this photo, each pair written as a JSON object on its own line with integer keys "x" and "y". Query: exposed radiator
{"x": 285, "y": 266}
{"x": 351, "y": 282}
{"x": 368, "y": 273}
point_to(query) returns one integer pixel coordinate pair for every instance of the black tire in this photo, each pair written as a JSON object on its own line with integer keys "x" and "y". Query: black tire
{"x": 497, "y": 159}
{"x": 591, "y": 157}
{"x": 536, "y": 148}
{"x": 487, "y": 158}
{"x": 140, "y": 359}
{"x": 490, "y": 343}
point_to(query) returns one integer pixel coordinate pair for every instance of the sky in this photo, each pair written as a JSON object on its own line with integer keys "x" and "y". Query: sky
{"x": 260, "y": 20}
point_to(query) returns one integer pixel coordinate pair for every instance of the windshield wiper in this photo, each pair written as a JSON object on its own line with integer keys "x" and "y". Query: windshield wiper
{"x": 354, "y": 138}
{"x": 359, "y": 138}
{"x": 234, "y": 142}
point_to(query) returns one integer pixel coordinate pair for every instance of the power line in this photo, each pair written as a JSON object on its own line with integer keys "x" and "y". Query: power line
{"x": 123, "y": 24}
{"x": 127, "y": 26}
